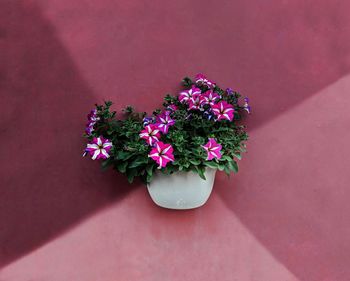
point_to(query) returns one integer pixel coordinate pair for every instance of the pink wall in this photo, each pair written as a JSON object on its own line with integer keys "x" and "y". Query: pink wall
{"x": 284, "y": 217}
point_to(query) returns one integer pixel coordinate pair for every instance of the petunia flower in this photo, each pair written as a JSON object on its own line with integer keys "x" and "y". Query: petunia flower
{"x": 208, "y": 114}
{"x": 99, "y": 148}
{"x": 188, "y": 117}
{"x": 172, "y": 107}
{"x": 151, "y": 134}
{"x": 194, "y": 103}
{"x": 209, "y": 97}
{"x": 223, "y": 110}
{"x": 213, "y": 149}
{"x": 164, "y": 121}
{"x": 93, "y": 118}
{"x": 202, "y": 80}
{"x": 186, "y": 95}
{"x": 162, "y": 153}
{"x": 229, "y": 91}
{"x": 89, "y": 128}
{"x": 148, "y": 120}
{"x": 246, "y": 105}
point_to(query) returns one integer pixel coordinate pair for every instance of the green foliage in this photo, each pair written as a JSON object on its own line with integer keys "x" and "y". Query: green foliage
{"x": 190, "y": 132}
{"x": 187, "y": 82}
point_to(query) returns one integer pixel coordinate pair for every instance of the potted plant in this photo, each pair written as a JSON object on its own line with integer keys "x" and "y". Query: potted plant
{"x": 177, "y": 150}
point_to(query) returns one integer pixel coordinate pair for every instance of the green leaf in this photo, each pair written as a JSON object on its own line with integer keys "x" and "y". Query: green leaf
{"x": 236, "y": 116}
{"x": 237, "y": 155}
{"x": 124, "y": 155}
{"x": 108, "y": 103}
{"x": 211, "y": 164}
{"x": 105, "y": 164}
{"x": 128, "y": 109}
{"x": 195, "y": 162}
{"x": 187, "y": 82}
{"x": 221, "y": 167}
{"x": 226, "y": 158}
{"x": 149, "y": 169}
{"x": 242, "y": 149}
{"x": 122, "y": 166}
{"x": 149, "y": 178}
{"x": 227, "y": 170}
{"x": 232, "y": 165}
{"x": 139, "y": 161}
{"x": 170, "y": 169}
{"x": 200, "y": 171}
{"x": 131, "y": 173}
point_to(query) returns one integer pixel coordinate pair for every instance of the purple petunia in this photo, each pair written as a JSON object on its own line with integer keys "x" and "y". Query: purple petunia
{"x": 89, "y": 128}
{"x": 148, "y": 120}
{"x": 246, "y": 105}
{"x": 92, "y": 116}
{"x": 92, "y": 119}
{"x": 208, "y": 114}
{"x": 229, "y": 91}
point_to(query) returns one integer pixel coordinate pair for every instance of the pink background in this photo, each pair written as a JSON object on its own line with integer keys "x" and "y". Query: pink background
{"x": 284, "y": 217}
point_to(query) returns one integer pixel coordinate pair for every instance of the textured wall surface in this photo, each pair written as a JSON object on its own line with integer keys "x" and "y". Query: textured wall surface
{"x": 284, "y": 217}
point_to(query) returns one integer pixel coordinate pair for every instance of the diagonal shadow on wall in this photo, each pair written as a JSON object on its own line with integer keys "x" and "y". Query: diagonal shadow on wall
{"x": 45, "y": 184}
{"x": 292, "y": 184}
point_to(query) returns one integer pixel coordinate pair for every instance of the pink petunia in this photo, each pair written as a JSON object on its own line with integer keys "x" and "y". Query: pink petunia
{"x": 99, "y": 148}
{"x": 223, "y": 110}
{"x": 164, "y": 121}
{"x": 194, "y": 103}
{"x": 186, "y": 95}
{"x": 209, "y": 97}
{"x": 162, "y": 153}
{"x": 202, "y": 80}
{"x": 213, "y": 149}
{"x": 151, "y": 134}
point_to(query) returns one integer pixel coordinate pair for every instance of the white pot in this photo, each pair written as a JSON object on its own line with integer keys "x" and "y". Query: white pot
{"x": 181, "y": 190}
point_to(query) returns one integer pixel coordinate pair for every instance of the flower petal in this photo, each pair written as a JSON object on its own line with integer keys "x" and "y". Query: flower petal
{"x": 96, "y": 154}
{"x": 104, "y": 152}
{"x": 92, "y": 146}
{"x": 107, "y": 144}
